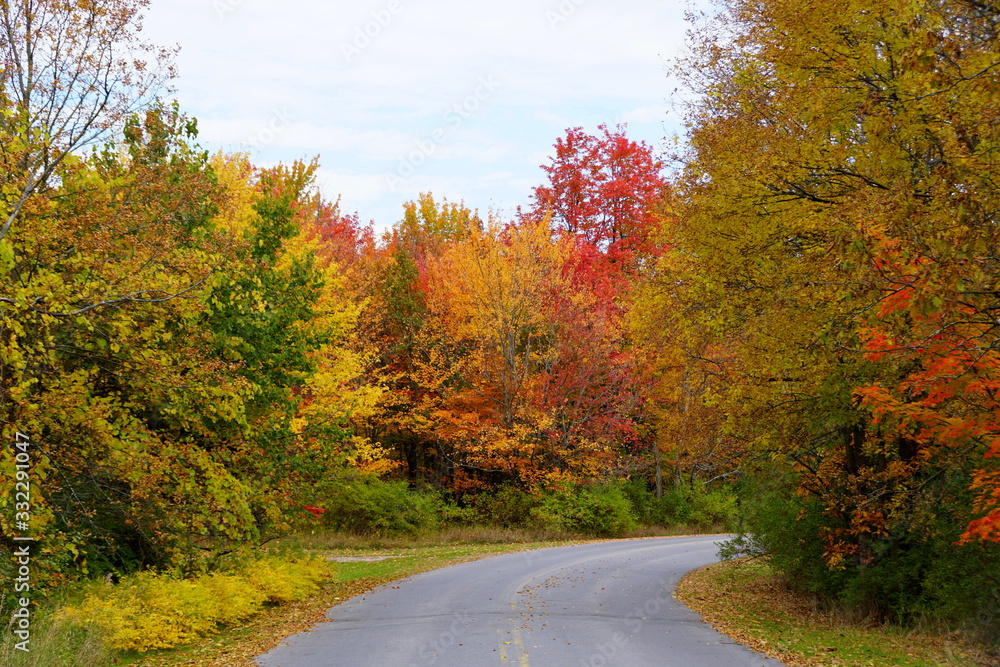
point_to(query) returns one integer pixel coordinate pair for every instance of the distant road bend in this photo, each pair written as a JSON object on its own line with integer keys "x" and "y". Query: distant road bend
{"x": 591, "y": 605}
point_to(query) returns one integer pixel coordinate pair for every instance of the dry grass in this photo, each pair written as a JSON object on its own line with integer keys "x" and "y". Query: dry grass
{"x": 327, "y": 540}
{"x": 321, "y": 540}
{"x": 53, "y": 644}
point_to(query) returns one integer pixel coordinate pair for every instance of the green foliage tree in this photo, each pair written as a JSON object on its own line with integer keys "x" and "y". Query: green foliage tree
{"x": 100, "y": 360}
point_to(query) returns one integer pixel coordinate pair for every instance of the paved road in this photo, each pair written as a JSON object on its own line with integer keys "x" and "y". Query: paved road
{"x": 604, "y": 604}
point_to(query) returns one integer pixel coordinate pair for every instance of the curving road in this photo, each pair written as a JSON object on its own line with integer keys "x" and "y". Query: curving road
{"x": 590, "y": 605}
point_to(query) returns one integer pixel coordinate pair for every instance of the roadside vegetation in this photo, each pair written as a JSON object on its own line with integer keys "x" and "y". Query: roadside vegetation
{"x": 752, "y": 602}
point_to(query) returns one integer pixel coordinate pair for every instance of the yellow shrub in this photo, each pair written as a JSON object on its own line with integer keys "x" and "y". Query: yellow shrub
{"x": 284, "y": 581}
{"x": 147, "y": 612}
{"x": 150, "y": 611}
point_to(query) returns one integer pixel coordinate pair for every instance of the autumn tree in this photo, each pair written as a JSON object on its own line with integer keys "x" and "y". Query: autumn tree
{"x": 341, "y": 238}
{"x": 592, "y": 390}
{"x": 412, "y": 359}
{"x": 545, "y": 389}
{"x": 83, "y": 243}
{"x": 106, "y": 374}
{"x": 70, "y": 74}
{"x": 684, "y": 369}
{"x": 335, "y": 395}
{"x": 837, "y": 198}
{"x": 606, "y": 194}
{"x": 179, "y": 359}
{"x": 604, "y": 189}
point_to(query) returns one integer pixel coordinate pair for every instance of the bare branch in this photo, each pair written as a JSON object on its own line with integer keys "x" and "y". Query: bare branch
{"x": 70, "y": 73}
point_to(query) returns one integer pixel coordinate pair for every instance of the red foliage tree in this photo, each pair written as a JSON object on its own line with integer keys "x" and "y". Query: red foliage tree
{"x": 604, "y": 189}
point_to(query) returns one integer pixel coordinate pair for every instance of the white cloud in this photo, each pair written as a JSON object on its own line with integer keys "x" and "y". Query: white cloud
{"x": 363, "y": 82}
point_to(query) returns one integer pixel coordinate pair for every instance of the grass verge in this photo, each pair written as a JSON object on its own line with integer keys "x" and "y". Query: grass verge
{"x": 749, "y": 602}
{"x": 53, "y": 644}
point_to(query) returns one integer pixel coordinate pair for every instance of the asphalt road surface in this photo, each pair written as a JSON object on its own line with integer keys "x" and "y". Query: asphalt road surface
{"x": 604, "y": 604}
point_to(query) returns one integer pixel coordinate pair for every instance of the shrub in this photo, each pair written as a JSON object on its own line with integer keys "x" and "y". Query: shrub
{"x": 454, "y": 515}
{"x": 152, "y": 611}
{"x": 279, "y": 580}
{"x": 963, "y": 589}
{"x": 673, "y": 509}
{"x": 918, "y": 575}
{"x": 507, "y": 507}
{"x": 643, "y": 499}
{"x": 692, "y": 505}
{"x": 377, "y": 507}
{"x": 711, "y": 508}
{"x": 787, "y": 527}
{"x": 602, "y": 511}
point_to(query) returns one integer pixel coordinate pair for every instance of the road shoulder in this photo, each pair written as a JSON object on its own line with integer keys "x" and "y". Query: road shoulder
{"x": 748, "y": 602}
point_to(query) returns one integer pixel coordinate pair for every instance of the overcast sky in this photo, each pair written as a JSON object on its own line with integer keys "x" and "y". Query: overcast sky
{"x": 462, "y": 98}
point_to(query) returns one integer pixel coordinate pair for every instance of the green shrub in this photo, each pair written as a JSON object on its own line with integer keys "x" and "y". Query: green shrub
{"x": 711, "y": 508}
{"x": 377, "y": 507}
{"x": 921, "y": 574}
{"x": 454, "y": 515}
{"x": 787, "y": 527}
{"x": 673, "y": 509}
{"x": 601, "y": 511}
{"x": 692, "y": 505}
{"x": 962, "y": 588}
{"x": 643, "y": 499}
{"x": 507, "y": 507}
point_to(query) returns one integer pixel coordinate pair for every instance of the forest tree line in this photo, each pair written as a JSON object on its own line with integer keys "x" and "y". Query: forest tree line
{"x": 802, "y": 315}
